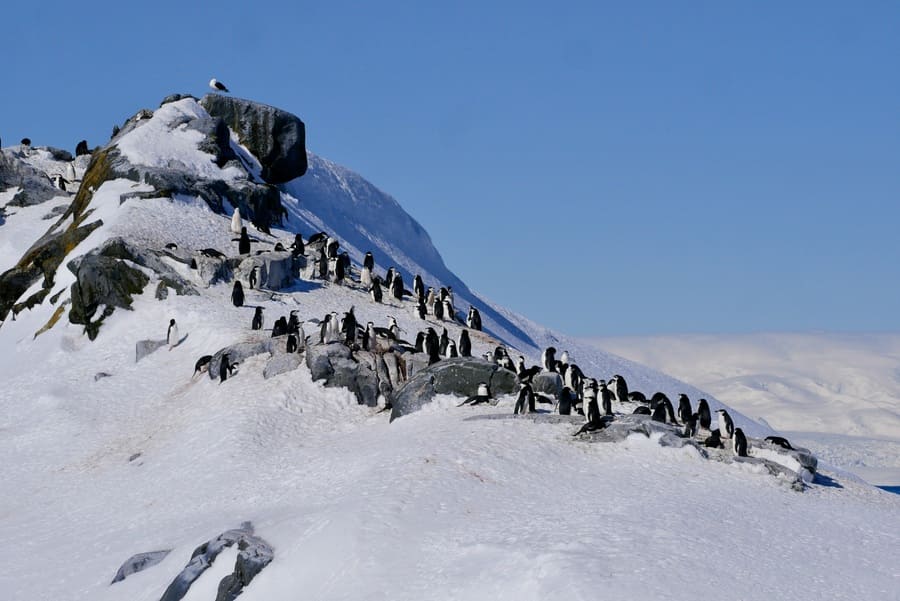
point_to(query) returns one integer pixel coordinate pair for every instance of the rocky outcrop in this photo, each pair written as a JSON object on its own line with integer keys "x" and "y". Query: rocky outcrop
{"x": 239, "y": 352}
{"x": 275, "y": 137}
{"x": 102, "y": 281}
{"x": 34, "y": 185}
{"x": 549, "y": 383}
{"x": 459, "y": 377}
{"x": 366, "y": 374}
{"x": 282, "y": 363}
{"x": 254, "y": 554}
{"x": 139, "y": 563}
{"x": 274, "y": 270}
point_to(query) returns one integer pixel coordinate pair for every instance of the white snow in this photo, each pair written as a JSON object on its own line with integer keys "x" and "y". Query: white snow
{"x": 431, "y": 506}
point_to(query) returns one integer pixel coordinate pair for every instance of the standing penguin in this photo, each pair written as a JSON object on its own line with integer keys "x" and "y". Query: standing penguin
{"x": 451, "y": 350}
{"x": 739, "y": 443}
{"x": 465, "y": 345}
{"x": 726, "y": 425}
{"x": 444, "y": 341}
{"x": 592, "y": 409}
{"x": 172, "y": 334}
{"x": 375, "y": 291}
{"x": 338, "y": 271}
{"x": 397, "y": 286}
{"x": 566, "y": 401}
{"x": 298, "y": 248}
{"x": 225, "y": 368}
{"x": 257, "y": 322}
{"x": 525, "y": 400}
{"x": 432, "y": 346}
{"x": 349, "y": 326}
{"x": 369, "y": 262}
{"x": 419, "y": 288}
{"x": 236, "y": 224}
{"x": 705, "y": 419}
{"x": 621, "y": 388}
{"x": 605, "y": 398}
{"x": 548, "y": 359}
{"x": 365, "y": 277}
{"x": 684, "y": 408}
{"x": 291, "y": 343}
{"x": 474, "y": 319}
{"x": 421, "y": 310}
{"x": 244, "y": 242}
{"x": 252, "y": 278}
{"x": 237, "y": 294}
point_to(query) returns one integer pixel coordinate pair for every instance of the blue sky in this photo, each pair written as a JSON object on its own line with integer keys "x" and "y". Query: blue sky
{"x": 605, "y": 169}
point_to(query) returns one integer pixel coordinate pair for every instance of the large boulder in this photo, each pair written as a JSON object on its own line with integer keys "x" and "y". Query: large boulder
{"x": 102, "y": 281}
{"x": 274, "y": 270}
{"x": 459, "y": 376}
{"x": 239, "y": 352}
{"x": 275, "y": 137}
{"x": 547, "y": 382}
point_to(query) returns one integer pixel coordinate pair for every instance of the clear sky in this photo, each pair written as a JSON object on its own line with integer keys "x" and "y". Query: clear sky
{"x": 605, "y": 169}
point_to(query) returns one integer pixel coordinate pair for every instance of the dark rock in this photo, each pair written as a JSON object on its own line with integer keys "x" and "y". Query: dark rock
{"x": 175, "y": 98}
{"x": 549, "y": 383}
{"x": 139, "y": 563}
{"x": 459, "y": 376}
{"x": 274, "y": 270}
{"x": 275, "y": 137}
{"x": 100, "y": 375}
{"x": 357, "y": 372}
{"x": 54, "y": 212}
{"x": 102, "y": 281}
{"x": 319, "y": 358}
{"x": 254, "y": 555}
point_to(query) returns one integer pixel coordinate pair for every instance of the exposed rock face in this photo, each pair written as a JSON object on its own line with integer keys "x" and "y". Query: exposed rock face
{"x": 35, "y": 186}
{"x": 254, "y": 555}
{"x": 459, "y": 376}
{"x": 282, "y": 363}
{"x": 274, "y": 270}
{"x": 103, "y": 281}
{"x": 238, "y": 352}
{"x": 138, "y": 563}
{"x": 275, "y": 137}
{"x": 367, "y": 375}
{"x": 548, "y": 383}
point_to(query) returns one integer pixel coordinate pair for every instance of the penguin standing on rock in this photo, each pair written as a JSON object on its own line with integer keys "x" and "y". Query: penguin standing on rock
{"x": 376, "y": 292}
{"x": 684, "y": 408}
{"x": 726, "y": 425}
{"x": 474, "y": 319}
{"x": 548, "y": 359}
{"x": 465, "y": 345}
{"x": 226, "y": 368}
{"x": 369, "y": 262}
{"x": 525, "y": 400}
{"x": 291, "y": 343}
{"x": 621, "y": 388}
{"x": 172, "y": 334}
{"x": 605, "y": 398}
{"x": 237, "y": 294}
{"x": 704, "y": 417}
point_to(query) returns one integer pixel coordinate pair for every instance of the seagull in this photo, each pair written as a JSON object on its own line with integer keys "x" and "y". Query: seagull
{"x": 217, "y": 85}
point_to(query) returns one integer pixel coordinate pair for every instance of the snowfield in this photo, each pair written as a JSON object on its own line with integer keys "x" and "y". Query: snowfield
{"x": 105, "y": 457}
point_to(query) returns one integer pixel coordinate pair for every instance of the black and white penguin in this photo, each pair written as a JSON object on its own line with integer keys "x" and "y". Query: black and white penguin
{"x": 365, "y": 278}
{"x": 298, "y": 248}
{"x": 657, "y": 398}
{"x": 172, "y": 334}
{"x": 375, "y": 291}
{"x": 252, "y": 278}
{"x": 525, "y": 400}
{"x": 279, "y": 328}
{"x": 218, "y": 86}
{"x": 620, "y": 386}
{"x": 419, "y": 288}
{"x": 291, "y": 343}
{"x": 237, "y": 294}
{"x": 349, "y": 327}
{"x": 659, "y": 414}
{"x": 397, "y": 286}
{"x": 781, "y": 442}
{"x": 482, "y": 396}
{"x": 430, "y": 297}
{"x": 566, "y": 401}
{"x": 684, "y": 408}
{"x": 244, "y": 242}
{"x": 421, "y": 310}
{"x": 338, "y": 271}
{"x": 432, "y": 346}
{"x": 726, "y": 425}
{"x": 526, "y": 373}
{"x": 225, "y": 368}
{"x": 637, "y": 396}
{"x": 331, "y": 248}
{"x": 444, "y": 341}
{"x": 670, "y": 411}
{"x": 592, "y": 408}
{"x": 605, "y": 395}
{"x": 704, "y": 415}
{"x": 293, "y": 326}
{"x": 437, "y": 308}
{"x": 257, "y": 322}
{"x": 369, "y": 262}
{"x": 465, "y": 344}
{"x": 642, "y": 410}
{"x": 448, "y": 310}
{"x": 451, "y": 352}
{"x": 60, "y": 182}
{"x": 739, "y": 443}
{"x": 389, "y": 277}
{"x": 714, "y": 440}
{"x": 473, "y": 320}
{"x": 236, "y": 223}
{"x": 548, "y": 359}
{"x": 202, "y": 364}
{"x": 321, "y": 265}
{"x": 82, "y": 148}
{"x": 317, "y": 237}
{"x": 690, "y": 425}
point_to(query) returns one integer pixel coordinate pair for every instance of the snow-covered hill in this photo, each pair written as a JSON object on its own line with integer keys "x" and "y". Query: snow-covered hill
{"x": 105, "y": 457}
{"x": 837, "y": 393}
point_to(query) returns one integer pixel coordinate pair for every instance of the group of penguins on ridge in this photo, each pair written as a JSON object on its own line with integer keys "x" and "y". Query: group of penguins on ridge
{"x": 585, "y": 396}
{"x": 594, "y": 398}
{"x": 327, "y": 263}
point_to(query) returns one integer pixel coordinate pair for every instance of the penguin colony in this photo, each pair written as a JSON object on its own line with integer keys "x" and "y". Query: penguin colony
{"x": 600, "y": 401}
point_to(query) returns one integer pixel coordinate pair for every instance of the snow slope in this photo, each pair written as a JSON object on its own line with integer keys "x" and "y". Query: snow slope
{"x": 432, "y": 506}
{"x": 838, "y": 394}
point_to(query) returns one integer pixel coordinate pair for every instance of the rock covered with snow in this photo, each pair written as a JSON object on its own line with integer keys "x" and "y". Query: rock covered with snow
{"x": 275, "y": 137}
{"x": 34, "y": 185}
{"x": 458, "y": 376}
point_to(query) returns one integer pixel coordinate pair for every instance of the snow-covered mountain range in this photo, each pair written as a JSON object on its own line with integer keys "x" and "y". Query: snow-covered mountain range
{"x": 106, "y": 457}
